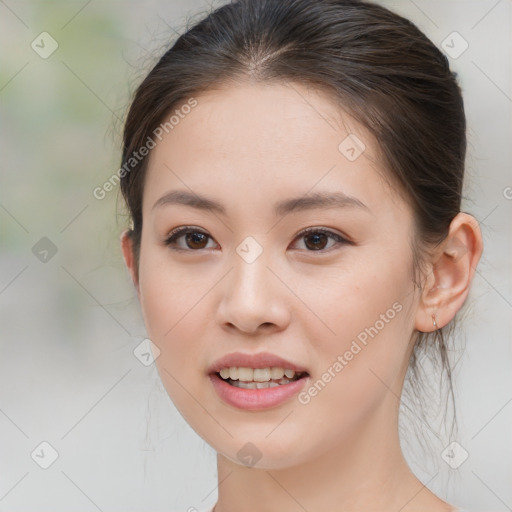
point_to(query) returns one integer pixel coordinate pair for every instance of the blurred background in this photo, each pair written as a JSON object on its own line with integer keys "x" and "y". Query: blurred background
{"x": 85, "y": 424}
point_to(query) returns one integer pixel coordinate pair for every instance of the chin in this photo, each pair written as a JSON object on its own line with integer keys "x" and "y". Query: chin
{"x": 280, "y": 453}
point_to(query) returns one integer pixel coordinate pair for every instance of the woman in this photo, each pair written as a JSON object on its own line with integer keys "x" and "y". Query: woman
{"x": 293, "y": 171}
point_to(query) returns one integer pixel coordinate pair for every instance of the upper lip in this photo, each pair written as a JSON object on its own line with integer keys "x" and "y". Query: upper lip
{"x": 259, "y": 360}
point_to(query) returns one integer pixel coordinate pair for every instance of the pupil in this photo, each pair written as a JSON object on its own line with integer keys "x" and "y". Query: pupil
{"x": 195, "y": 238}
{"x": 316, "y": 240}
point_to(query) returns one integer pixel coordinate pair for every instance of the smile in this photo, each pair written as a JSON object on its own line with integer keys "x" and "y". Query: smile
{"x": 253, "y": 394}
{"x": 259, "y": 378}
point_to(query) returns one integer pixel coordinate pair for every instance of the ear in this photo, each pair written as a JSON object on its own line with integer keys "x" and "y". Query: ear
{"x": 127, "y": 249}
{"x": 453, "y": 267}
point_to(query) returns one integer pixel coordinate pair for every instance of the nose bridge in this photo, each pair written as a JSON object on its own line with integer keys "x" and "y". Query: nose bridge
{"x": 251, "y": 295}
{"x": 249, "y": 282}
{"x": 250, "y": 273}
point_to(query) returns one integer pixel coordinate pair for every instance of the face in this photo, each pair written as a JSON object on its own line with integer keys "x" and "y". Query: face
{"x": 337, "y": 301}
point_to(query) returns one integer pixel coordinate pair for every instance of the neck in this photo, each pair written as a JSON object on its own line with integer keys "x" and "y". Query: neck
{"x": 365, "y": 471}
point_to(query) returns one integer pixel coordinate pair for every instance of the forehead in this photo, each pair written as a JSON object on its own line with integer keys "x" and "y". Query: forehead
{"x": 255, "y": 142}
{"x": 281, "y": 117}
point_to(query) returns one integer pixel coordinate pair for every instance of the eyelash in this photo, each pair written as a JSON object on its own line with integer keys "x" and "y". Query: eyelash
{"x": 179, "y": 232}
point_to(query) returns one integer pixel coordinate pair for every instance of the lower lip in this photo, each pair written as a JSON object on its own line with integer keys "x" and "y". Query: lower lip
{"x": 256, "y": 399}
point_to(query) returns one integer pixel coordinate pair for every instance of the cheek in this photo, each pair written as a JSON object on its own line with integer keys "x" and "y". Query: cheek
{"x": 173, "y": 307}
{"x": 366, "y": 310}
{"x": 355, "y": 295}
{"x": 171, "y": 302}
{"x": 165, "y": 291}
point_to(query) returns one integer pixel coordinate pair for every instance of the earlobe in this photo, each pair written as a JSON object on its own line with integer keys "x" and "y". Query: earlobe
{"x": 127, "y": 250}
{"x": 453, "y": 269}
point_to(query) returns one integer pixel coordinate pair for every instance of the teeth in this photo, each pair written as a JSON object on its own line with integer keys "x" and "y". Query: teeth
{"x": 263, "y": 385}
{"x": 260, "y": 377}
{"x": 245, "y": 374}
{"x": 255, "y": 385}
{"x": 277, "y": 372}
{"x": 247, "y": 385}
{"x": 256, "y": 374}
{"x": 262, "y": 374}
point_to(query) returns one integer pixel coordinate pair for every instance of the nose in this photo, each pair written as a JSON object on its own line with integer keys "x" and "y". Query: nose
{"x": 253, "y": 298}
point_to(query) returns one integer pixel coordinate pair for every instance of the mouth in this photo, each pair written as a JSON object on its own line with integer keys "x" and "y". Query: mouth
{"x": 256, "y": 381}
{"x": 259, "y": 378}
{"x": 257, "y": 388}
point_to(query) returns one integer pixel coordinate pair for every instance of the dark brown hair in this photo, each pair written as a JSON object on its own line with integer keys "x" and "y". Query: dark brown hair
{"x": 377, "y": 65}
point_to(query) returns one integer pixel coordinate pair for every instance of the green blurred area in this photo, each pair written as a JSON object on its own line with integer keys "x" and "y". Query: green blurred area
{"x": 61, "y": 116}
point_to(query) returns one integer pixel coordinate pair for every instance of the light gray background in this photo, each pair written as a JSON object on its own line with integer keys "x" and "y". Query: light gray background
{"x": 68, "y": 327}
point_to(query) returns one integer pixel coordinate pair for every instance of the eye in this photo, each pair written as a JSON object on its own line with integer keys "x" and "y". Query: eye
{"x": 316, "y": 238}
{"x": 195, "y": 239}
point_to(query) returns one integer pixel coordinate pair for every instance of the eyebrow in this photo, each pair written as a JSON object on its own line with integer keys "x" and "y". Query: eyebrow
{"x": 312, "y": 201}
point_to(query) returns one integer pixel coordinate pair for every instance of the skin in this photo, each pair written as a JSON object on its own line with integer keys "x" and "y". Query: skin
{"x": 249, "y": 146}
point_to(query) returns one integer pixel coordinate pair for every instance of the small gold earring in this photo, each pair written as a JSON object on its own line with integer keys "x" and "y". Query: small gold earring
{"x": 434, "y": 321}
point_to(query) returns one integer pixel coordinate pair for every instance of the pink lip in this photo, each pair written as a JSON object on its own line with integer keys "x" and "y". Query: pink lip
{"x": 256, "y": 399}
{"x": 260, "y": 360}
